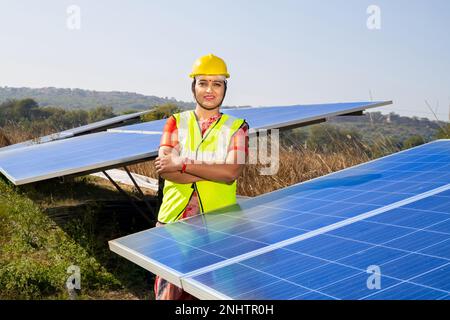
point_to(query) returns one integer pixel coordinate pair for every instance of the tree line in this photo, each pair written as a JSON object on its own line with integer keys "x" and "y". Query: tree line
{"x": 27, "y": 111}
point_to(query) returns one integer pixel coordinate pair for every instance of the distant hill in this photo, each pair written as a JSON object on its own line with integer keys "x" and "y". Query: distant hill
{"x": 375, "y": 124}
{"x": 88, "y": 99}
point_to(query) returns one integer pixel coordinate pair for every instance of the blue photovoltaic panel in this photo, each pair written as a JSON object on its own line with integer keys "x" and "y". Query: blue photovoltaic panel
{"x": 37, "y": 170}
{"x": 296, "y": 211}
{"x": 96, "y": 126}
{"x": 409, "y": 245}
{"x": 280, "y": 116}
{"x": 64, "y": 157}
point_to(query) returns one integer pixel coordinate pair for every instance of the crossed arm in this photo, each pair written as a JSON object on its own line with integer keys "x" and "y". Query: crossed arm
{"x": 169, "y": 163}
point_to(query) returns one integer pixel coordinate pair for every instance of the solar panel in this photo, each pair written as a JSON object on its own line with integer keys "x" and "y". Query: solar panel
{"x": 96, "y": 126}
{"x": 87, "y": 153}
{"x": 96, "y": 152}
{"x": 278, "y": 116}
{"x": 307, "y": 231}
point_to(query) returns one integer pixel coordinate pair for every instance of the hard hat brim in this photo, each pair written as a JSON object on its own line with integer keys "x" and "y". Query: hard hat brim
{"x": 193, "y": 75}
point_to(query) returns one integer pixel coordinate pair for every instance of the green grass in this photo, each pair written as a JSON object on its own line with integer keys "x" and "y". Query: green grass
{"x": 35, "y": 252}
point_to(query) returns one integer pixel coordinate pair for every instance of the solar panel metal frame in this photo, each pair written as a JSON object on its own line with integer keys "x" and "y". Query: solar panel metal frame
{"x": 183, "y": 280}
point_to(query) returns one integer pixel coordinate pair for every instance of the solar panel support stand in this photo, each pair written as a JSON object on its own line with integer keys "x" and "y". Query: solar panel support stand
{"x": 161, "y": 183}
{"x": 140, "y": 192}
{"x": 126, "y": 195}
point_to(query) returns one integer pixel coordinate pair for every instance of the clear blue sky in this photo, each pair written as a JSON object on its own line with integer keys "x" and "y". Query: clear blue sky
{"x": 278, "y": 52}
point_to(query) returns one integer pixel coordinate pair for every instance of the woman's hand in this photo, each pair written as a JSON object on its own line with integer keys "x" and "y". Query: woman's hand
{"x": 168, "y": 163}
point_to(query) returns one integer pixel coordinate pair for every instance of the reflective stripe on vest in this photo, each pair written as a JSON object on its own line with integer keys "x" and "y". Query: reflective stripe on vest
{"x": 212, "y": 147}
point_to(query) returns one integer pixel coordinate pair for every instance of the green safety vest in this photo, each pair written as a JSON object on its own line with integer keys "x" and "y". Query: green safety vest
{"x": 213, "y": 146}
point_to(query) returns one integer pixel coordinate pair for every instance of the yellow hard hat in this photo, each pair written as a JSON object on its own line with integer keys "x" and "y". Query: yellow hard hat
{"x": 209, "y": 65}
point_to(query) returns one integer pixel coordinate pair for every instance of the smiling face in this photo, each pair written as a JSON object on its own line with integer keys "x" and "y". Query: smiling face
{"x": 209, "y": 91}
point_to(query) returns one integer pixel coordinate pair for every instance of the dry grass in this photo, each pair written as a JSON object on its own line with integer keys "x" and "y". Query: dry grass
{"x": 4, "y": 140}
{"x": 16, "y": 133}
{"x": 145, "y": 168}
{"x": 295, "y": 165}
